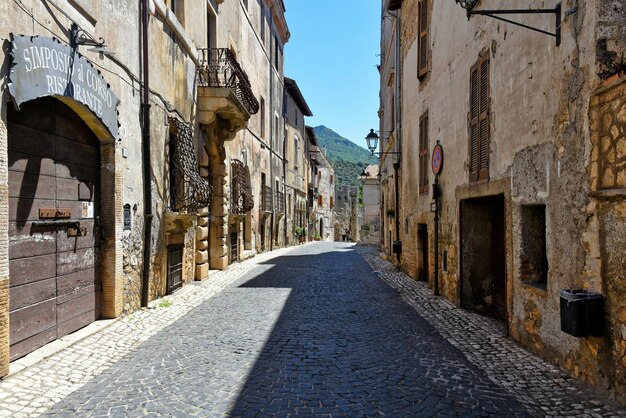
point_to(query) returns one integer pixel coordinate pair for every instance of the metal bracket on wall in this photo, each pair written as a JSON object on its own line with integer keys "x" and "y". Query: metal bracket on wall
{"x": 496, "y": 15}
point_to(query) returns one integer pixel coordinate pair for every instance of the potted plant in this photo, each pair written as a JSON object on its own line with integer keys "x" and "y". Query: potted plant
{"x": 318, "y": 238}
{"x": 300, "y": 234}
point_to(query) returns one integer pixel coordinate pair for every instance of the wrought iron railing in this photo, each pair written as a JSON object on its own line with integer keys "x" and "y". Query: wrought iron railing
{"x": 241, "y": 194}
{"x": 189, "y": 191}
{"x": 219, "y": 68}
{"x": 266, "y": 199}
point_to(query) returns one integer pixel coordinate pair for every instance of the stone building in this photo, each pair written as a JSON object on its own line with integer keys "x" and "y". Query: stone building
{"x": 346, "y": 212}
{"x": 296, "y": 161}
{"x": 324, "y": 178}
{"x": 161, "y": 158}
{"x": 370, "y": 224}
{"x": 248, "y": 165}
{"x": 321, "y": 192}
{"x": 532, "y": 197}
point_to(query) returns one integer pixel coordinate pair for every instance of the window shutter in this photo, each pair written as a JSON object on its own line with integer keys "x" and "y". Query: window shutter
{"x": 474, "y": 141}
{"x": 422, "y": 56}
{"x": 483, "y": 165}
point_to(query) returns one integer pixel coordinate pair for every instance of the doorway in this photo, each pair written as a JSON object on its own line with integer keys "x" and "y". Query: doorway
{"x": 54, "y": 230}
{"x": 422, "y": 252}
{"x": 483, "y": 260}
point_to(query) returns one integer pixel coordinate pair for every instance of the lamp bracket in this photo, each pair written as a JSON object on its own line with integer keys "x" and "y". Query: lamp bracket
{"x": 386, "y": 153}
{"x": 496, "y": 14}
{"x": 79, "y": 37}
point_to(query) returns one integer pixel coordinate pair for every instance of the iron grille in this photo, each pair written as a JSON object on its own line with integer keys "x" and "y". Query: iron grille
{"x": 190, "y": 191}
{"x": 219, "y": 68}
{"x": 174, "y": 267}
{"x": 281, "y": 202}
{"x": 266, "y": 199}
{"x": 234, "y": 246}
{"x": 241, "y": 194}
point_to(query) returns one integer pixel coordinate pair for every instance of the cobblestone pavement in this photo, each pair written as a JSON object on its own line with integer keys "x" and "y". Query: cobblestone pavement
{"x": 538, "y": 385}
{"x": 34, "y": 390}
{"x": 312, "y": 332}
{"x": 307, "y": 331}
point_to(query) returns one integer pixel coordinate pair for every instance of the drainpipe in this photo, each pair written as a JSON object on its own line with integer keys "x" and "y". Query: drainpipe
{"x": 147, "y": 162}
{"x": 272, "y": 128}
{"x": 285, "y": 181}
{"x": 398, "y": 121}
{"x": 437, "y": 195}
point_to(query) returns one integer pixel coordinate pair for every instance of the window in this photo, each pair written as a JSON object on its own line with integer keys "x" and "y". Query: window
{"x": 479, "y": 119}
{"x": 172, "y": 173}
{"x": 262, "y": 20}
{"x": 422, "y": 53}
{"x": 174, "y": 267}
{"x": 276, "y": 132}
{"x": 332, "y": 202}
{"x": 211, "y": 29}
{"x": 533, "y": 254}
{"x": 392, "y": 102}
{"x": 423, "y": 163}
{"x": 178, "y": 7}
{"x": 276, "y": 51}
{"x": 262, "y": 116}
{"x": 320, "y": 201}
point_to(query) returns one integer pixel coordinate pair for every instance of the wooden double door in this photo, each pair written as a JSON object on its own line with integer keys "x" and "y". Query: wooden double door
{"x": 54, "y": 234}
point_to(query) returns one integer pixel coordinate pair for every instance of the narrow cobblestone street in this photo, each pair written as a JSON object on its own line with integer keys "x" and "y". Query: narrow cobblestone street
{"x": 305, "y": 331}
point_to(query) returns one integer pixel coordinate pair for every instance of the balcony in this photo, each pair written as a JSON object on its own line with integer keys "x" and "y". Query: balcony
{"x": 266, "y": 199}
{"x": 224, "y": 90}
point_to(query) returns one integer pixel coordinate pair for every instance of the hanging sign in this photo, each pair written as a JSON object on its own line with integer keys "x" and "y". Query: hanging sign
{"x": 437, "y": 160}
{"x": 44, "y": 66}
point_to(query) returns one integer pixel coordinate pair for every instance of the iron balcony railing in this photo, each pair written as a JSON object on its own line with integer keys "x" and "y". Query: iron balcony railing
{"x": 219, "y": 68}
{"x": 266, "y": 199}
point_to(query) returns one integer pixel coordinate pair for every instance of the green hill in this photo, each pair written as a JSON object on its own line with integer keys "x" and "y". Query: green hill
{"x": 347, "y": 158}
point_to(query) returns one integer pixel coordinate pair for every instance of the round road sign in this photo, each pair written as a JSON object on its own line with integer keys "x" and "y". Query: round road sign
{"x": 437, "y": 161}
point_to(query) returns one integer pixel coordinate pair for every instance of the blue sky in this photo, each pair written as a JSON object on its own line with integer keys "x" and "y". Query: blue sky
{"x": 332, "y": 55}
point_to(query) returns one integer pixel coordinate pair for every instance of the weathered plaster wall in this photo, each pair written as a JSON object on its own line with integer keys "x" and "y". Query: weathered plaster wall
{"x": 539, "y": 152}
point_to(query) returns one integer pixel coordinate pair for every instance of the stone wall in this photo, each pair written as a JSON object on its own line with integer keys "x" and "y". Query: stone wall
{"x": 540, "y": 154}
{"x": 607, "y": 239}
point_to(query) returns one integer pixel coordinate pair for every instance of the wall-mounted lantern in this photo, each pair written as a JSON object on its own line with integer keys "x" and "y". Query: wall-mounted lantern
{"x": 372, "y": 143}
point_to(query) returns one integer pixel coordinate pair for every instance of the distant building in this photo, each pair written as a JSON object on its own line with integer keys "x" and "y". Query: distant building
{"x": 370, "y": 219}
{"x": 321, "y": 192}
{"x": 297, "y": 165}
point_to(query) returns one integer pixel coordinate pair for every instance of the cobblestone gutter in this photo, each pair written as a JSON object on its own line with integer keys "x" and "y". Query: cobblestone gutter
{"x": 32, "y": 391}
{"x": 538, "y": 385}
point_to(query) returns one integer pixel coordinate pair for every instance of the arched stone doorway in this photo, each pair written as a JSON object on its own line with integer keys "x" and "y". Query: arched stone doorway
{"x": 62, "y": 245}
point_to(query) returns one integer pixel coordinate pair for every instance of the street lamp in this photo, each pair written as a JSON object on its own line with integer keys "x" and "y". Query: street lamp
{"x": 469, "y": 5}
{"x": 372, "y": 143}
{"x": 364, "y": 176}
